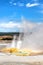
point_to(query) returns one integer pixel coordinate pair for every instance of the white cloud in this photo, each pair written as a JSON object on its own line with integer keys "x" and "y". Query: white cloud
{"x": 13, "y": 25}
{"x": 35, "y": 3}
{"x": 14, "y": 4}
{"x": 32, "y": 5}
{"x": 9, "y": 25}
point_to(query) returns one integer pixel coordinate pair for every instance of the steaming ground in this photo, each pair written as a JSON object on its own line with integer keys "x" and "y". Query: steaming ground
{"x": 35, "y": 40}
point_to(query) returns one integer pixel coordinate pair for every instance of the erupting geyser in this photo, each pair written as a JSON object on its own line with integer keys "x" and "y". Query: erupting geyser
{"x": 32, "y": 39}
{"x": 31, "y": 43}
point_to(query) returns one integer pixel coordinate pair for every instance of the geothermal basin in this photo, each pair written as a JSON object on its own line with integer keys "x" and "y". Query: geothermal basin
{"x": 32, "y": 41}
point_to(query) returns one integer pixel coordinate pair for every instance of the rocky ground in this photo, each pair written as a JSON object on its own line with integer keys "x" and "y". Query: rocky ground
{"x": 13, "y": 63}
{"x": 13, "y": 60}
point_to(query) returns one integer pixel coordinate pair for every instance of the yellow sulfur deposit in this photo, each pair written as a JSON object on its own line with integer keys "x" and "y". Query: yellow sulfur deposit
{"x": 10, "y": 50}
{"x": 16, "y": 51}
{"x": 22, "y": 52}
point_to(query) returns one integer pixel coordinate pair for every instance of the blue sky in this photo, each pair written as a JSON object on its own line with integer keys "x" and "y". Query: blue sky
{"x": 11, "y": 12}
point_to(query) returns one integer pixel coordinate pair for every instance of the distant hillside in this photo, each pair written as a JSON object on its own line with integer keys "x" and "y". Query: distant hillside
{"x": 9, "y": 33}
